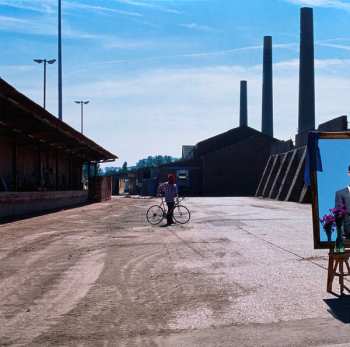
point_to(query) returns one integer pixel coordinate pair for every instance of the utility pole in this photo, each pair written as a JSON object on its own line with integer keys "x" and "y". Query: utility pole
{"x": 60, "y": 59}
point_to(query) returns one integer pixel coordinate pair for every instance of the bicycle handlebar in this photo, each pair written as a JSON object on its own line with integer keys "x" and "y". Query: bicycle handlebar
{"x": 179, "y": 199}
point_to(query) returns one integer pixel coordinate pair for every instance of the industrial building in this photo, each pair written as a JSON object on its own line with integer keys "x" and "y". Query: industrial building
{"x": 228, "y": 164}
{"x": 246, "y": 162}
{"x": 234, "y": 169}
{"x": 42, "y": 158}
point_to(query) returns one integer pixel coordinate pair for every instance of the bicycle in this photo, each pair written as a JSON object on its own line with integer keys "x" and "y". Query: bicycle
{"x": 156, "y": 213}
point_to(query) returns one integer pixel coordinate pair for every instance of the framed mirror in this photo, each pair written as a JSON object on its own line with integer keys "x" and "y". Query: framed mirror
{"x": 330, "y": 185}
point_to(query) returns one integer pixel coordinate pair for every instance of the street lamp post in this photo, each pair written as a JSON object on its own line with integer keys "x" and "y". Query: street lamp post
{"x": 82, "y": 103}
{"x": 60, "y": 59}
{"x": 40, "y": 61}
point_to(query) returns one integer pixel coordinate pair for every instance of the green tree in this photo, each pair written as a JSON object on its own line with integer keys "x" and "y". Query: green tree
{"x": 154, "y": 161}
{"x": 124, "y": 168}
{"x": 111, "y": 170}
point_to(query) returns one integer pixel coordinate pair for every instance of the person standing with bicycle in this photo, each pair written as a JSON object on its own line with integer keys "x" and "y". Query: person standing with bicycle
{"x": 175, "y": 213}
{"x": 170, "y": 192}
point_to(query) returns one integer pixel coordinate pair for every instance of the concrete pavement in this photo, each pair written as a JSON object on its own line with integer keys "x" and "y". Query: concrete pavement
{"x": 243, "y": 272}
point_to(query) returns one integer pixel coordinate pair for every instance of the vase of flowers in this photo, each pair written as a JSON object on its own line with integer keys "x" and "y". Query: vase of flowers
{"x": 339, "y": 214}
{"x": 328, "y": 221}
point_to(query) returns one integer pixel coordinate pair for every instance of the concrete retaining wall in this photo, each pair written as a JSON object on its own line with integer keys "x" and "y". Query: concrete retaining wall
{"x": 283, "y": 177}
{"x": 14, "y": 204}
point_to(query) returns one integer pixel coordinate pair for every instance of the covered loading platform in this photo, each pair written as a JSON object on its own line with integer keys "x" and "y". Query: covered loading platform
{"x": 41, "y": 157}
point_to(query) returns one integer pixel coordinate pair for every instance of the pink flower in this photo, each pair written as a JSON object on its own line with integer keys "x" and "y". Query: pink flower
{"x": 339, "y": 212}
{"x": 327, "y": 220}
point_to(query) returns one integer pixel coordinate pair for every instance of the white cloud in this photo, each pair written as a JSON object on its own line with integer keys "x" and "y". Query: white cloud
{"x": 50, "y": 7}
{"x": 149, "y": 5}
{"x": 321, "y": 65}
{"x": 340, "y": 4}
{"x": 198, "y": 27}
{"x": 17, "y": 68}
{"x": 47, "y": 26}
{"x": 119, "y": 43}
{"x": 134, "y": 44}
{"x": 101, "y": 9}
{"x": 335, "y": 45}
{"x": 324, "y": 64}
{"x": 197, "y": 103}
{"x": 42, "y": 6}
{"x": 39, "y": 25}
{"x": 7, "y": 21}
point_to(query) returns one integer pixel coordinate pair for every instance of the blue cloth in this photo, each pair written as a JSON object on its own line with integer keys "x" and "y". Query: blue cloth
{"x": 313, "y": 160}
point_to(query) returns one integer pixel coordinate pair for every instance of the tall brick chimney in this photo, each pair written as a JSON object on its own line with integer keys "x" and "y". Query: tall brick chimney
{"x": 306, "y": 76}
{"x": 267, "y": 89}
{"x": 243, "y": 113}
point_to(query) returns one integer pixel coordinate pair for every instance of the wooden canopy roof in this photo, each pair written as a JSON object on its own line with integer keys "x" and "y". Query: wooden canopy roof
{"x": 21, "y": 115}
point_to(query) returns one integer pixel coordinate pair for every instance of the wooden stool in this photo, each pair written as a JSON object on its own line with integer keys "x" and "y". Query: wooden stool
{"x": 337, "y": 260}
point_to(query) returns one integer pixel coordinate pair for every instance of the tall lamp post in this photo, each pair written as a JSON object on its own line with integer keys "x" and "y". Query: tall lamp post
{"x": 82, "y": 103}
{"x": 60, "y": 59}
{"x": 40, "y": 61}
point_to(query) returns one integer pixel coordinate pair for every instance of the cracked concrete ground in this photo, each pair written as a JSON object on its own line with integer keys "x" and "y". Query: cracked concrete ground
{"x": 243, "y": 272}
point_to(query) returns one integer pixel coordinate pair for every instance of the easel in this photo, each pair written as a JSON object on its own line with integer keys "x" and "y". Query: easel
{"x": 336, "y": 262}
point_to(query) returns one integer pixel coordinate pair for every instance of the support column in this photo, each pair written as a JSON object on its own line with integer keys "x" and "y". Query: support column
{"x": 14, "y": 164}
{"x": 88, "y": 170}
{"x": 56, "y": 171}
{"x": 70, "y": 172}
{"x": 39, "y": 168}
{"x": 90, "y": 182}
{"x": 95, "y": 169}
{"x": 81, "y": 184}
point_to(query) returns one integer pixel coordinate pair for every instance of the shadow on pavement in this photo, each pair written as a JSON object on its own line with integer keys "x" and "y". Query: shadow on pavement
{"x": 339, "y": 308}
{"x": 6, "y": 220}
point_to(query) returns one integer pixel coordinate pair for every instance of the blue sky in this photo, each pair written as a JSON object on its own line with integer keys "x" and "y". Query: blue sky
{"x": 163, "y": 73}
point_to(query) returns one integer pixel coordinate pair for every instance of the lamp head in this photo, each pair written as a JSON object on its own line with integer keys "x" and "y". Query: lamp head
{"x": 39, "y": 61}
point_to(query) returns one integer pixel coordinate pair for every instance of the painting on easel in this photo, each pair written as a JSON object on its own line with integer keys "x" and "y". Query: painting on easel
{"x": 328, "y": 168}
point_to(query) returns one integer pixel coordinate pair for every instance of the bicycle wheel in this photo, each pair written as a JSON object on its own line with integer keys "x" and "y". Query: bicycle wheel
{"x": 155, "y": 214}
{"x": 181, "y": 214}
